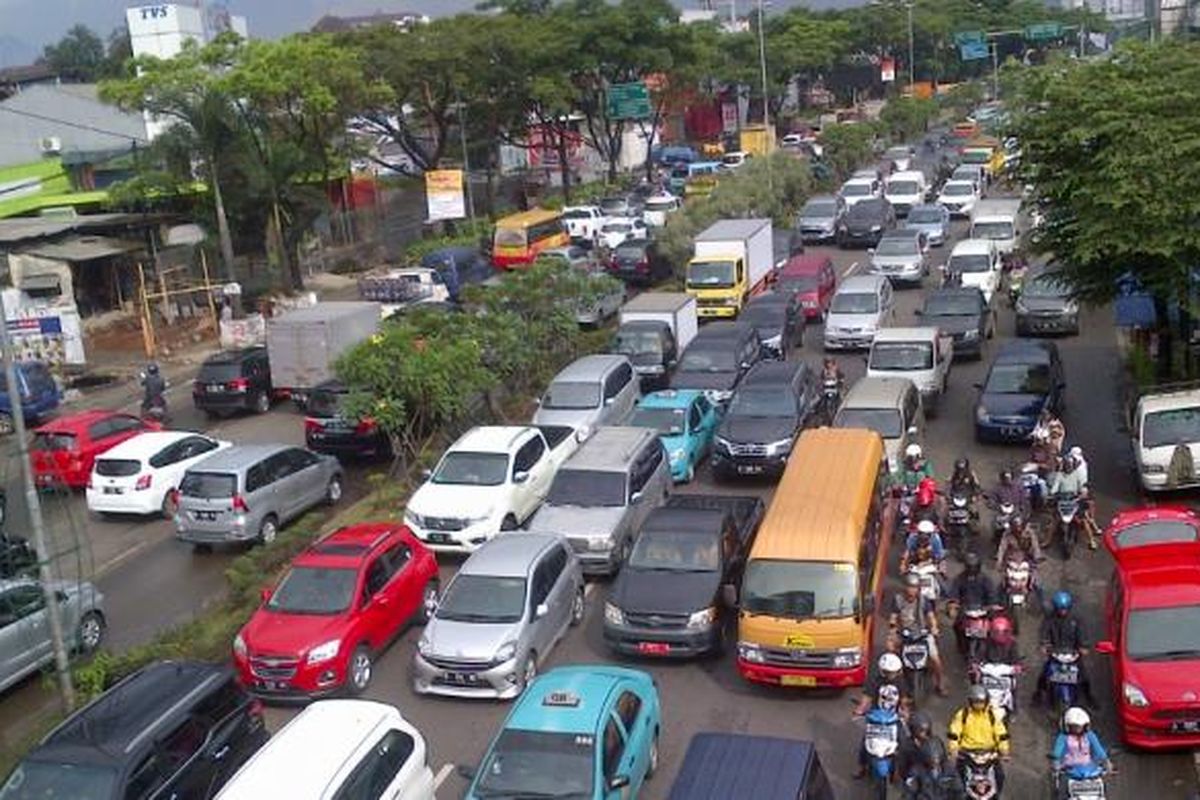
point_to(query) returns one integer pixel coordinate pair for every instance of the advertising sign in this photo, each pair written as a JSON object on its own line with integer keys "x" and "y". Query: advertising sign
{"x": 887, "y": 69}
{"x": 444, "y": 194}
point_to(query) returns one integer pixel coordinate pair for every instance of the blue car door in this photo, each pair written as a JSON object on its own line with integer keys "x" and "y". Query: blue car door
{"x": 633, "y": 715}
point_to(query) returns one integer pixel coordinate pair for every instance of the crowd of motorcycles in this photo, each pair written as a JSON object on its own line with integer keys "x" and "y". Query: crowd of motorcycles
{"x": 1041, "y": 505}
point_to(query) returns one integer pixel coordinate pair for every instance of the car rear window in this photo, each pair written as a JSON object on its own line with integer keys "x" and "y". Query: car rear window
{"x": 118, "y": 467}
{"x": 220, "y": 372}
{"x": 208, "y": 485}
{"x": 53, "y": 440}
{"x": 325, "y": 403}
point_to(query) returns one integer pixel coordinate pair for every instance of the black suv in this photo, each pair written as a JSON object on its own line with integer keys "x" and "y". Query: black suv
{"x": 234, "y": 380}
{"x": 772, "y": 404}
{"x": 326, "y": 430}
{"x": 170, "y": 730}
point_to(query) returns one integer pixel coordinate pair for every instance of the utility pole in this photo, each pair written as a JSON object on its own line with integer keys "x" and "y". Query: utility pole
{"x": 762, "y": 61}
{"x": 62, "y": 666}
{"x": 911, "y": 67}
{"x": 462, "y": 139}
{"x": 995, "y": 70}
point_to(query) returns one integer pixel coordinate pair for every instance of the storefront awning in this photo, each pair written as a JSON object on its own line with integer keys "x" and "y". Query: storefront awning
{"x": 83, "y": 248}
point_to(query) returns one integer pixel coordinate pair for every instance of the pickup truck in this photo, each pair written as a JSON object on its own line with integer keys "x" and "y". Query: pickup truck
{"x": 923, "y": 355}
{"x": 583, "y": 223}
{"x": 677, "y": 594}
{"x": 492, "y": 479}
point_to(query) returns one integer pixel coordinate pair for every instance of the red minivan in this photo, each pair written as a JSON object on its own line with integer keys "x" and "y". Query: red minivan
{"x": 813, "y": 280}
{"x": 64, "y": 449}
{"x": 342, "y": 602}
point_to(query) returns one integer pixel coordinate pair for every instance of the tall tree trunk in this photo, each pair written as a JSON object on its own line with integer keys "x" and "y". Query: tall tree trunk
{"x": 224, "y": 238}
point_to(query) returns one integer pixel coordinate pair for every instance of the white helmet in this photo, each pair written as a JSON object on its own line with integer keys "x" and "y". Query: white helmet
{"x": 890, "y": 662}
{"x": 926, "y": 526}
{"x": 1076, "y": 717}
{"x": 913, "y": 451}
{"x": 1076, "y": 453}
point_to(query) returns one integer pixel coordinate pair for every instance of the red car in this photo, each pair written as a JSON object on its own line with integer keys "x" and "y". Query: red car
{"x": 813, "y": 280}
{"x": 344, "y": 600}
{"x": 1153, "y": 618}
{"x": 64, "y": 449}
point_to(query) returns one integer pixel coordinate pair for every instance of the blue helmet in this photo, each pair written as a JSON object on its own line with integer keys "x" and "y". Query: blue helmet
{"x": 1063, "y": 601}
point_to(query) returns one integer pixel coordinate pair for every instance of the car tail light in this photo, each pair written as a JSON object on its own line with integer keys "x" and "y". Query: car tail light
{"x": 238, "y": 385}
{"x": 312, "y": 425}
{"x": 143, "y": 482}
{"x": 239, "y": 504}
{"x": 174, "y": 495}
{"x": 90, "y": 483}
{"x": 365, "y": 427}
{"x": 643, "y": 265}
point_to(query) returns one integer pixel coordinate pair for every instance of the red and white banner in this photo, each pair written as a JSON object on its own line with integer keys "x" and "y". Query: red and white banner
{"x": 887, "y": 69}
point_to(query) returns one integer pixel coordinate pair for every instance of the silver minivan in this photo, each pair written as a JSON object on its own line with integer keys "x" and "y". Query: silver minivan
{"x": 604, "y": 492}
{"x": 505, "y": 609}
{"x": 590, "y": 391}
{"x": 245, "y": 493}
{"x": 25, "y": 643}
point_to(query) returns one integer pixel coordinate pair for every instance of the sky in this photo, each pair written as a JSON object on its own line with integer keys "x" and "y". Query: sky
{"x": 27, "y": 25}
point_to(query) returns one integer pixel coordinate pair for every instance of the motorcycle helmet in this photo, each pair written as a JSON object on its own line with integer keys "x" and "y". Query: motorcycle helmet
{"x": 926, "y": 491}
{"x": 1001, "y": 631}
{"x": 972, "y": 563}
{"x": 152, "y": 368}
{"x": 920, "y": 724}
{"x": 913, "y": 452}
{"x": 1063, "y": 601}
{"x": 977, "y": 695}
{"x": 829, "y": 363}
{"x": 1076, "y": 720}
{"x": 889, "y": 664}
{"x": 962, "y": 465}
{"x": 927, "y": 527}
{"x": 912, "y": 579}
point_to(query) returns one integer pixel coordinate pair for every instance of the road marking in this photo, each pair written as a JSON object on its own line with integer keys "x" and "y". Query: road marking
{"x": 122, "y": 557}
{"x": 850, "y": 269}
{"x": 443, "y": 773}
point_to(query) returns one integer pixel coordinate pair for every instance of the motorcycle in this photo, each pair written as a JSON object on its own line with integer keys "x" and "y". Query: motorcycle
{"x": 1002, "y": 521}
{"x": 1080, "y": 783}
{"x": 975, "y": 627}
{"x": 927, "y": 571}
{"x": 979, "y": 774}
{"x": 1018, "y": 583}
{"x": 914, "y": 654}
{"x": 1067, "y": 506}
{"x": 906, "y": 500}
{"x": 1033, "y": 484}
{"x": 958, "y": 520}
{"x": 1062, "y": 674}
{"x": 881, "y": 740}
{"x": 831, "y": 398}
{"x": 1000, "y": 681}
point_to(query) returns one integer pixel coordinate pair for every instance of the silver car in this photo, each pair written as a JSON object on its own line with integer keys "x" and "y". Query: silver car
{"x": 900, "y": 256}
{"x": 25, "y": 645}
{"x": 590, "y": 391}
{"x": 245, "y": 493}
{"x": 510, "y": 602}
{"x": 605, "y": 299}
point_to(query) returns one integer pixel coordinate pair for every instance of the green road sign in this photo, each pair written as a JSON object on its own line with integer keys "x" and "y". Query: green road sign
{"x": 973, "y": 51}
{"x": 1043, "y": 30}
{"x": 628, "y": 101}
{"x": 968, "y": 37}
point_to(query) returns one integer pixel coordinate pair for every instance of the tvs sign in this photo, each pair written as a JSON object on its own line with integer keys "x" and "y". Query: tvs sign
{"x": 154, "y": 12}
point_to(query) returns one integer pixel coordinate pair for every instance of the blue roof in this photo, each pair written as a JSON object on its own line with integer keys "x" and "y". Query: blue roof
{"x": 670, "y": 398}
{"x": 1024, "y": 351}
{"x": 718, "y": 766}
{"x": 592, "y": 685}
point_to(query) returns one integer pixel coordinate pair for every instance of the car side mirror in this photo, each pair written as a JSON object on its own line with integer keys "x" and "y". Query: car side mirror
{"x": 729, "y": 595}
{"x": 746, "y": 365}
{"x": 1106, "y": 647}
{"x": 870, "y": 251}
{"x": 913, "y": 430}
{"x": 635, "y": 497}
{"x": 466, "y": 772}
{"x": 520, "y": 477}
{"x": 618, "y": 782}
{"x": 608, "y": 401}
{"x": 541, "y": 611}
{"x": 426, "y": 473}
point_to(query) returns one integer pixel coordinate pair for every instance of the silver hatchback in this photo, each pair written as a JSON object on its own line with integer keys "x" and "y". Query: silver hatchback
{"x": 245, "y": 493}
{"x": 509, "y": 604}
{"x": 25, "y": 644}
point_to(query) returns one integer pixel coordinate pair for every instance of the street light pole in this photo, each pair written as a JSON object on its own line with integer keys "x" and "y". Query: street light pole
{"x": 462, "y": 138}
{"x": 762, "y": 62}
{"x": 911, "y": 67}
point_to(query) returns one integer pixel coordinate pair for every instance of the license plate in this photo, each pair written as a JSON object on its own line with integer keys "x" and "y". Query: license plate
{"x": 654, "y": 648}
{"x": 1018, "y": 599}
{"x": 958, "y": 516}
{"x": 273, "y": 686}
{"x": 439, "y": 538}
{"x": 215, "y": 387}
{"x": 797, "y": 680}
{"x": 1064, "y": 673}
{"x": 112, "y": 490}
{"x": 749, "y": 469}
{"x": 1186, "y": 726}
{"x": 206, "y": 516}
{"x": 460, "y": 678}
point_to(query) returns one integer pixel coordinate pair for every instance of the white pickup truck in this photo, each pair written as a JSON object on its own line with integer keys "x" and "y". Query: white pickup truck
{"x": 583, "y": 223}
{"x": 923, "y": 355}
{"x": 1164, "y": 426}
{"x": 492, "y": 479}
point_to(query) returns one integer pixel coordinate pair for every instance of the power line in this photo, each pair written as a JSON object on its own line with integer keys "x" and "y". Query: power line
{"x": 80, "y": 125}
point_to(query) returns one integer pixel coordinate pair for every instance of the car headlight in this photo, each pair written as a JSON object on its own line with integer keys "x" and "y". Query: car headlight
{"x": 971, "y": 336}
{"x": 239, "y": 646}
{"x": 750, "y": 652}
{"x": 424, "y": 646}
{"x": 876, "y": 228}
{"x": 847, "y": 657}
{"x": 1153, "y": 469}
{"x": 732, "y": 301}
{"x": 981, "y": 414}
{"x": 723, "y": 443}
{"x": 1071, "y": 309}
{"x": 413, "y": 518}
{"x": 1020, "y": 307}
{"x": 505, "y": 652}
{"x": 781, "y": 447}
{"x": 613, "y": 615}
{"x": 678, "y": 455}
{"x": 324, "y": 652}
{"x": 703, "y": 619}
{"x": 1134, "y": 696}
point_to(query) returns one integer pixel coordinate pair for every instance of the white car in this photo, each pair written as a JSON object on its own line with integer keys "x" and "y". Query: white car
{"x": 658, "y": 208}
{"x": 583, "y": 223}
{"x": 959, "y": 197}
{"x": 618, "y": 229}
{"x": 861, "y": 306}
{"x": 977, "y": 261}
{"x": 858, "y": 189}
{"x": 901, "y": 157}
{"x": 138, "y": 476}
{"x": 905, "y": 190}
{"x": 1166, "y": 439}
{"x": 734, "y": 159}
{"x": 922, "y": 355}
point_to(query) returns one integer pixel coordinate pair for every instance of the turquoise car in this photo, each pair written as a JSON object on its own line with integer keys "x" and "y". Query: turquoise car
{"x": 685, "y": 421}
{"x": 580, "y": 733}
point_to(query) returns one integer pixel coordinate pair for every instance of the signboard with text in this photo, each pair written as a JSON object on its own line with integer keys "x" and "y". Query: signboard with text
{"x": 629, "y": 101}
{"x": 444, "y": 194}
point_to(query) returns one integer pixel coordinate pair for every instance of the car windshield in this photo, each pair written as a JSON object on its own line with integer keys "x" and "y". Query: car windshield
{"x": 46, "y": 780}
{"x": 958, "y": 189}
{"x": 798, "y": 283}
{"x": 314, "y": 590}
{"x": 587, "y": 489}
{"x": 572, "y": 394}
{"x": 510, "y": 237}
{"x": 857, "y": 189}
{"x": 535, "y": 764}
{"x": 617, "y": 227}
{"x": 800, "y": 589}
{"x": 764, "y": 316}
{"x": 676, "y": 552}
{"x": 577, "y": 213}
{"x": 925, "y": 215}
{"x": 1019, "y": 379}
{"x": 635, "y": 342}
{"x": 708, "y": 359}
{"x": 629, "y": 252}
{"x": 219, "y": 372}
{"x": 1155, "y": 532}
{"x": 1045, "y": 286}
{"x": 464, "y": 468}
{"x": 766, "y": 402}
{"x": 208, "y": 485}
{"x": 854, "y": 303}
{"x": 660, "y": 205}
{"x": 1163, "y": 634}
{"x": 903, "y": 187}
{"x": 951, "y": 305}
{"x": 667, "y": 421}
{"x": 710, "y": 274}
{"x": 901, "y": 356}
{"x": 976, "y": 156}
{"x": 819, "y": 209}
{"x": 1171, "y": 427}
{"x": 980, "y": 262}
{"x": 884, "y": 421}
{"x": 898, "y": 247}
{"x": 992, "y": 230}
{"x": 483, "y": 598}
{"x": 613, "y": 205}
{"x": 118, "y": 467}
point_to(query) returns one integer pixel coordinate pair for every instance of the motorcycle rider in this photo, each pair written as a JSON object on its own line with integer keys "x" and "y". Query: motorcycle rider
{"x": 1042, "y": 453}
{"x": 964, "y": 480}
{"x": 1071, "y": 481}
{"x": 928, "y": 503}
{"x": 1009, "y": 491}
{"x": 1062, "y": 632}
{"x": 1076, "y": 745}
{"x": 1085, "y": 509}
{"x": 831, "y": 371}
{"x": 923, "y": 544}
{"x": 1001, "y": 648}
{"x": 975, "y": 727}
{"x": 921, "y": 758}
{"x": 1055, "y": 431}
{"x": 154, "y": 389}
{"x": 1019, "y": 539}
{"x": 971, "y": 589}
{"x": 889, "y": 671}
{"x": 912, "y": 611}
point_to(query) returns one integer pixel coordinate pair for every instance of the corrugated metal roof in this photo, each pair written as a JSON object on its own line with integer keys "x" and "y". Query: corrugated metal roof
{"x": 83, "y": 248}
{"x": 26, "y": 229}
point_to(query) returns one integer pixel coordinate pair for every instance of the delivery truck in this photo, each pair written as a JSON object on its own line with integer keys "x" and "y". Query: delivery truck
{"x": 654, "y": 329}
{"x": 732, "y": 259}
{"x": 998, "y": 220}
{"x": 304, "y": 344}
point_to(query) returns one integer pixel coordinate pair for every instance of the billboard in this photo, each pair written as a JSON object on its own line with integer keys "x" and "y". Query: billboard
{"x": 444, "y": 194}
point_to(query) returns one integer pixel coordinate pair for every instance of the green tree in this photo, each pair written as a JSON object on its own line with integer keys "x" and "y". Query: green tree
{"x": 905, "y": 118}
{"x": 78, "y": 56}
{"x": 118, "y": 54}
{"x": 847, "y": 147}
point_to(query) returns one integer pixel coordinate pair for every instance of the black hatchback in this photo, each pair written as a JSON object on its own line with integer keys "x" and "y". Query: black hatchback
{"x": 170, "y": 730}
{"x": 234, "y": 380}
{"x": 327, "y": 430}
{"x": 865, "y": 223}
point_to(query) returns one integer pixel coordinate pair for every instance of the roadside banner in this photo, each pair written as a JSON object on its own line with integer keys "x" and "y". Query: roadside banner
{"x": 444, "y": 194}
{"x": 887, "y": 69}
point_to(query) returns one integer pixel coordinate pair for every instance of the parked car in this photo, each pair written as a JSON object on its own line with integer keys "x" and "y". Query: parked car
{"x": 931, "y": 219}
{"x": 616, "y": 230}
{"x": 1163, "y": 424}
{"x": 587, "y": 731}
{"x": 901, "y": 257}
{"x": 328, "y": 431}
{"x": 339, "y": 749}
{"x": 64, "y": 449}
{"x": 862, "y": 305}
{"x": 762, "y": 767}
{"x": 772, "y": 404}
{"x": 923, "y": 355}
{"x": 673, "y": 597}
{"x": 866, "y": 222}
{"x": 25, "y": 626}
{"x": 717, "y": 359}
{"x": 234, "y": 380}
{"x": 459, "y": 267}
{"x": 1046, "y": 305}
{"x": 658, "y": 207}
{"x": 1026, "y": 377}
{"x": 858, "y": 189}
{"x": 608, "y": 294}
{"x": 959, "y": 197}
{"x": 341, "y": 603}
{"x": 639, "y": 261}
{"x": 962, "y": 312}
{"x": 171, "y": 729}
{"x": 889, "y": 406}
{"x": 590, "y": 391}
{"x": 812, "y": 279}
{"x": 492, "y": 479}
{"x": 140, "y": 475}
{"x": 40, "y": 395}
{"x": 507, "y": 607}
{"x": 976, "y": 262}
{"x": 820, "y": 217}
{"x": 779, "y": 319}
{"x": 246, "y": 492}
{"x": 583, "y": 223}
{"x": 685, "y": 421}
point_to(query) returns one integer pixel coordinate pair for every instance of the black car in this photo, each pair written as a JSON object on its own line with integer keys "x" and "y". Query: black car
{"x": 326, "y": 430}
{"x": 234, "y": 380}
{"x": 771, "y": 406}
{"x": 639, "y": 261}
{"x": 1025, "y": 379}
{"x": 685, "y": 555}
{"x": 170, "y": 730}
{"x": 459, "y": 267}
{"x": 763, "y": 767}
{"x": 865, "y": 222}
{"x": 1045, "y": 305}
{"x": 964, "y": 314}
{"x": 650, "y": 345}
{"x": 779, "y": 318}
{"x": 717, "y": 358}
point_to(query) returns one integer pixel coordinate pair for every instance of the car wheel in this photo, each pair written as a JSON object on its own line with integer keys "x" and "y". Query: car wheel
{"x": 509, "y": 523}
{"x": 169, "y": 504}
{"x": 6, "y": 425}
{"x": 262, "y": 403}
{"x": 428, "y": 594}
{"x": 358, "y": 671}
{"x": 268, "y": 530}
{"x": 333, "y": 492}
{"x": 578, "y": 607}
{"x": 652, "y": 761}
{"x": 90, "y": 632}
{"x": 529, "y": 672}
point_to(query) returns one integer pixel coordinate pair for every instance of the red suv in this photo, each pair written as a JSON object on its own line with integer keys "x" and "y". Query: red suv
{"x": 1153, "y": 620}
{"x": 64, "y": 449}
{"x": 812, "y": 279}
{"x": 344, "y": 600}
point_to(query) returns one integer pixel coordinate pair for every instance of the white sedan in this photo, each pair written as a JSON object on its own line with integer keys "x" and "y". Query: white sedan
{"x": 617, "y": 229}
{"x": 138, "y": 475}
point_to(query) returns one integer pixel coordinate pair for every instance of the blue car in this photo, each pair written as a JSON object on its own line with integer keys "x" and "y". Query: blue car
{"x": 685, "y": 421}
{"x": 931, "y": 219}
{"x": 1026, "y": 377}
{"x": 578, "y": 732}
{"x": 40, "y": 395}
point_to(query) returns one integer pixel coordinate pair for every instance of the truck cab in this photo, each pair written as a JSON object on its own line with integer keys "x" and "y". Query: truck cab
{"x": 733, "y": 259}
{"x": 997, "y": 221}
{"x": 923, "y": 355}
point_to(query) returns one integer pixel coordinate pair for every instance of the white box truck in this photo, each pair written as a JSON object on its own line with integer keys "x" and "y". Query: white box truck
{"x": 304, "y": 344}
{"x": 654, "y": 329}
{"x": 731, "y": 260}
{"x": 998, "y": 220}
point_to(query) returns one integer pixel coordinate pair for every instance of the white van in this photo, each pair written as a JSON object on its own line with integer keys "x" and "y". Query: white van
{"x": 335, "y": 749}
{"x": 977, "y": 261}
{"x": 998, "y": 220}
{"x": 1165, "y": 430}
{"x": 905, "y": 190}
